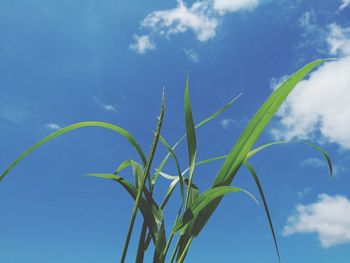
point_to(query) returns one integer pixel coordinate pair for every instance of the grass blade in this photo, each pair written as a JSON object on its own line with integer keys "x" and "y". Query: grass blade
{"x": 258, "y": 184}
{"x": 72, "y": 127}
{"x": 144, "y": 177}
{"x": 325, "y": 155}
{"x": 249, "y": 137}
{"x": 191, "y": 140}
{"x": 205, "y": 199}
{"x": 212, "y": 116}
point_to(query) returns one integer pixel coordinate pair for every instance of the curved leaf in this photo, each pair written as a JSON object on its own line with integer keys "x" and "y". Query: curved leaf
{"x": 203, "y": 200}
{"x": 75, "y": 126}
{"x": 248, "y": 138}
{"x": 257, "y": 182}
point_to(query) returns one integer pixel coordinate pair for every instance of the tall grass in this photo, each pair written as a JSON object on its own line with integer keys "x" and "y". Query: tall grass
{"x": 195, "y": 206}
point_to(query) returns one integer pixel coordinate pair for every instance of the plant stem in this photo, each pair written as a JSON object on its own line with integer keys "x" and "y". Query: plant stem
{"x": 184, "y": 253}
{"x": 143, "y": 181}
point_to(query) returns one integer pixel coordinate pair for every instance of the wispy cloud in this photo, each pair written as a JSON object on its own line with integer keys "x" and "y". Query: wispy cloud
{"x": 304, "y": 192}
{"x": 52, "y": 126}
{"x": 227, "y": 122}
{"x": 202, "y": 18}
{"x": 191, "y": 55}
{"x": 16, "y": 116}
{"x": 329, "y": 217}
{"x": 345, "y": 3}
{"x": 107, "y": 107}
{"x": 314, "y": 162}
{"x": 142, "y": 44}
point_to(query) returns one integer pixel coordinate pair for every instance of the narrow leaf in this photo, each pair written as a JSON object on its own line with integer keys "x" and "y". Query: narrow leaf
{"x": 257, "y": 182}
{"x": 75, "y": 126}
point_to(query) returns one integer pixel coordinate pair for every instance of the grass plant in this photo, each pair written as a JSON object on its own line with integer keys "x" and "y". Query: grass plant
{"x": 195, "y": 206}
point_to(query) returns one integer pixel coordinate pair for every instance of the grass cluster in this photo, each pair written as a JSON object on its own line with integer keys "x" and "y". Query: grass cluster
{"x": 195, "y": 207}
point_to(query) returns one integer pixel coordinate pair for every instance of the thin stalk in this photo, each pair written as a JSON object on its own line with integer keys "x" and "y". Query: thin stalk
{"x": 144, "y": 177}
{"x": 184, "y": 253}
{"x": 141, "y": 246}
{"x": 175, "y": 250}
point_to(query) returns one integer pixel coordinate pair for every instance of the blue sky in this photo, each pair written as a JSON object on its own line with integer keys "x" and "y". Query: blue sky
{"x": 67, "y": 61}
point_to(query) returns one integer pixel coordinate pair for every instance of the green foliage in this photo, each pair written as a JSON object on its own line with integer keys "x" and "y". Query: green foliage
{"x": 195, "y": 207}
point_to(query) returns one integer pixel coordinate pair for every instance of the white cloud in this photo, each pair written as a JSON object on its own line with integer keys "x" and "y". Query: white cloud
{"x": 226, "y": 123}
{"x": 202, "y": 18}
{"x": 345, "y": 3}
{"x": 52, "y": 126}
{"x": 329, "y": 217}
{"x": 191, "y": 55}
{"x": 339, "y": 40}
{"x": 320, "y": 104}
{"x": 142, "y": 44}
{"x": 224, "y": 6}
{"x": 199, "y": 18}
{"x": 109, "y": 108}
{"x": 106, "y": 107}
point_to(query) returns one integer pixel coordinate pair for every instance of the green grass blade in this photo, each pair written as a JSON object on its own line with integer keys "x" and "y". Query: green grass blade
{"x": 218, "y": 112}
{"x": 122, "y": 166}
{"x": 69, "y": 128}
{"x": 160, "y": 245}
{"x": 258, "y": 184}
{"x": 144, "y": 177}
{"x": 181, "y": 179}
{"x": 205, "y": 199}
{"x": 191, "y": 140}
{"x": 250, "y": 135}
{"x": 148, "y": 213}
{"x": 325, "y": 155}
{"x": 212, "y": 116}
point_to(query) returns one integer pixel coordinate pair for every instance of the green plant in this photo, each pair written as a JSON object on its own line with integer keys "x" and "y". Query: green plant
{"x": 195, "y": 208}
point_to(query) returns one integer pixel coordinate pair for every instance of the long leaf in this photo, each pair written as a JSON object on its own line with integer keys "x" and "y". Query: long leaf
{"x": 258, "y": 184}
{"x": 249, "y": 137}
{"x": 205, "y": 199}
{"x": 191, "y": 140}
{"x": 143, "y": 181}
{"x": 69, "y": 128}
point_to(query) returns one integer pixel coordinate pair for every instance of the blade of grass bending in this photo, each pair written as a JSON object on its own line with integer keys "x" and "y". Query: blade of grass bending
{"x": 215, "y": 114}
{"x": 191, "y": 141}
{"x": 75, "y": 126}
{"x": 137, "y": 173}
{"x": 250, "y": 135}
{"x": 324, "y": 153}
{"x": 205, "y": 199}
{"x": 258, "y": 184}
{"x": 144, "y": 177}
{"x": 146, "y": 210}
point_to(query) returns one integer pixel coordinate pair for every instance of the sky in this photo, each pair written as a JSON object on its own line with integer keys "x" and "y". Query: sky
{"x": 63, "y": 62}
